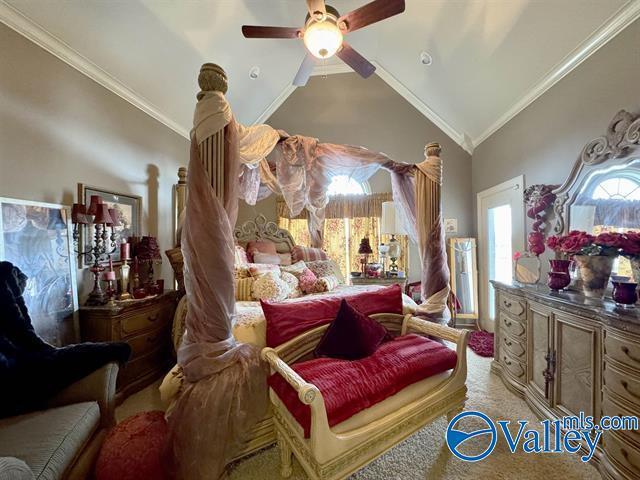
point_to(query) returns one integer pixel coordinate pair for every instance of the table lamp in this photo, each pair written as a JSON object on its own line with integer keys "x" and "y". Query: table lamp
{"x": 365, "y": 250}
{"x": 390, "y": 225}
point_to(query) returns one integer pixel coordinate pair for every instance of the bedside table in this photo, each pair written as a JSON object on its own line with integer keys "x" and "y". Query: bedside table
{"x": 145, "y": 325}
{"x": 379, "y": 281}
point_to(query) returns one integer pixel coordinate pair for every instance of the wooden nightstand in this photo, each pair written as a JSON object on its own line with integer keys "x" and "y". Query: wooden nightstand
{"x": 146, "y": 326}
{"x": 379, "y": 281}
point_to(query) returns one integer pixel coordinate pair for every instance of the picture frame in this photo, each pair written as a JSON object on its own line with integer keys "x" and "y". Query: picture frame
{"x": 130, "y": 209}
{"x": 37, "y": 238}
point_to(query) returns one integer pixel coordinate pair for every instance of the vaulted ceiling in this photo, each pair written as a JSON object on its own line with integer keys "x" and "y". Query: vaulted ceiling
{"x": 491, "y": 58}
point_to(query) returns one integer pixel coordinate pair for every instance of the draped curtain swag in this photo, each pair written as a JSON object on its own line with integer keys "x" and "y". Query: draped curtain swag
{"x": 343, "y": 206}
{"x": 225, "y": 389}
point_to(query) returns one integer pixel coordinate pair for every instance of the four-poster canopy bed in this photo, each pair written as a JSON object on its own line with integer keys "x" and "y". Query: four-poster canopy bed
{"x": 217, "y": 368}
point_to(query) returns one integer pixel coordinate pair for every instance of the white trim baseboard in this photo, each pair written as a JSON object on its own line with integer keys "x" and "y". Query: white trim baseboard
{"x": 44, "y": 39}
{"x": 607, "y": 31}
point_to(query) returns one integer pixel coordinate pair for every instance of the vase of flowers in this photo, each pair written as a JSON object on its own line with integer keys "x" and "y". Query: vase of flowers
{"x": 631, "y": 250}
{"x": 594, "y": 256}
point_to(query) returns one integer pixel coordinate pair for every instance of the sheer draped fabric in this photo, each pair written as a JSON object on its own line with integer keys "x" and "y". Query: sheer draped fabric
{"x": 225, "y": 389}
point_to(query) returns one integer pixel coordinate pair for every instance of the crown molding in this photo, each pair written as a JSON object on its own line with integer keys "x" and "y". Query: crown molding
{"x": 607, "y": 31}
{"x": 460, "y": 138}
{"x": 44, "y": 39}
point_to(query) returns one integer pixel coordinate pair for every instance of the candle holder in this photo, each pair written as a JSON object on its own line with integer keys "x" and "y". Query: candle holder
{"x": 103, "y": 245}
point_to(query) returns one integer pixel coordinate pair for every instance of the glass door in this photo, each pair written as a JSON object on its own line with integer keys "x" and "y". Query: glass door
{"x": 500, "y": 234}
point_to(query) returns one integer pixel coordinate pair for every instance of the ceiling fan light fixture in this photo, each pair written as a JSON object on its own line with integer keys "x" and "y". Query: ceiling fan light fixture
{"x": 323, "y": 39}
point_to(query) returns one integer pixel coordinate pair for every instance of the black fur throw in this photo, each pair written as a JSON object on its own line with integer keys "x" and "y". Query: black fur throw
{"x": 31, "y": 370}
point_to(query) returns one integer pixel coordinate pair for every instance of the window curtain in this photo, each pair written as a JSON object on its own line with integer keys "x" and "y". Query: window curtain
{"x": 349, "y": 218}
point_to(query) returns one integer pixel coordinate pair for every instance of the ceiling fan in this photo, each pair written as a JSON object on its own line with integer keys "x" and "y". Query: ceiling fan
{"x": 323, "y": 33}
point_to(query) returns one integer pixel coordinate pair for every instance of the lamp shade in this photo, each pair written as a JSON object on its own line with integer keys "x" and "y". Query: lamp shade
{"x": 365, "y": 247}
{"x": 115, "y": 218}
{"x": 93, "y": 204}
{"x": 79, "y": 214}
{"x": 102, "y": 215}
{"x": 390, "y": 223}
{"x": 148, "y": 249}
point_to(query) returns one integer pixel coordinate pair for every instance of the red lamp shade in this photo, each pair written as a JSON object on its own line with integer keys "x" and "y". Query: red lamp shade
{"x": 79, "y": 214}
{"x": 113, "y": 213}
{"x": 102, "y": 215}
{"x": 93, "y": 205}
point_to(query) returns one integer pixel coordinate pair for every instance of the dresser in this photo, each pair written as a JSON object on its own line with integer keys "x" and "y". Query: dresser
{"x": 146, "y": 326}
{"x": 566, "y": 354}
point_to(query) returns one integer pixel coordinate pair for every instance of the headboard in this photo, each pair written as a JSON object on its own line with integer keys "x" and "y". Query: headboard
{"x": 261, "y": 229}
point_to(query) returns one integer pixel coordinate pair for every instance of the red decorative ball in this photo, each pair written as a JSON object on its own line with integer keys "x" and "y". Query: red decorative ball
{"x": 135, "y": 449}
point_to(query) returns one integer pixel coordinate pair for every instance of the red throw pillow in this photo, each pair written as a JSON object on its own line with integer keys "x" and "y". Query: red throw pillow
{"x": 286, "y": 320}
{"x": 351, "y": 335}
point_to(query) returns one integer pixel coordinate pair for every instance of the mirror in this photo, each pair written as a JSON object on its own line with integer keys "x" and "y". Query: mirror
{"x": 526, "y": 269}
{"x": 463, "y": 266}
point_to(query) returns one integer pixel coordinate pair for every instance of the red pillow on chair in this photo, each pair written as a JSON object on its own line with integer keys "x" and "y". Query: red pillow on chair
{"x": 351, "y": 335}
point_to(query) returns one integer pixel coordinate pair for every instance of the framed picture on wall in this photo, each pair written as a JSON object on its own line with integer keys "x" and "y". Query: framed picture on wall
{"x": 128, "y": 208}
{"x": 37, "y": 238}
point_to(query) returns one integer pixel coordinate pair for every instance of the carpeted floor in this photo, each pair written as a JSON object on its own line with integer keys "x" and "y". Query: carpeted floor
{"x": 425, "y": 455}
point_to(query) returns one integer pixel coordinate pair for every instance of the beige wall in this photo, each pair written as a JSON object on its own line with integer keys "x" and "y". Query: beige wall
{"x": 58, "y": 128}
{"x": 544, "y": 140}
{"x": 347, "y": 109}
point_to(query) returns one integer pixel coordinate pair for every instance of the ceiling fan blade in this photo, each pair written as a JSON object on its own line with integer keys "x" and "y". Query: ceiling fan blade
{"x": 304, "y": 72}
{"x": 316, "y": 6}
{"x": 361, "y": 65}
{"x": 371, "y": 13}
{"x": 259, "y": 31}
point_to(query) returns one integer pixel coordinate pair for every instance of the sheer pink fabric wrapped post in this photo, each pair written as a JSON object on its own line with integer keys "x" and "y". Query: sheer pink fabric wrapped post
{"x": 224, "y": 392}
{"x": 435, "y": 271}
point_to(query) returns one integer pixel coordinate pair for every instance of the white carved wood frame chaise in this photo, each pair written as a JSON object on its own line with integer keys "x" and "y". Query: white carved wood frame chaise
{"x": 336, "y": 452}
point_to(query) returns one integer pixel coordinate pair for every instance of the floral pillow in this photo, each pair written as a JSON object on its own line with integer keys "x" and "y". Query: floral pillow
{"x": 308, "y": 281}
{"x": 297, "y": 268}
{"x": 258, "y": 269}
{"x": 242, "y": 271}
{"x": 326, "y": 283}
{"x": 291, "y": 280}
{"x": 323, "y": 268}
{"x": 285, "y": 258}
{"x": 240, "y": 256}
{"x": 271, "y": 288}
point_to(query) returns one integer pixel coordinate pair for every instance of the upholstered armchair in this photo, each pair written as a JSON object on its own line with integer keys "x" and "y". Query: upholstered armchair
{"x": 62, "y": 441}
{"x": 332, "y": 452}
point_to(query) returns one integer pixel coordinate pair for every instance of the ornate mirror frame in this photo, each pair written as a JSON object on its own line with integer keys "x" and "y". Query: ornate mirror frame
{"x": 618, "y": 146}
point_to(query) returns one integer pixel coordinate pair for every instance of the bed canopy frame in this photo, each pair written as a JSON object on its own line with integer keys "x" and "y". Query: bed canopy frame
{"x": 228, "y": 162}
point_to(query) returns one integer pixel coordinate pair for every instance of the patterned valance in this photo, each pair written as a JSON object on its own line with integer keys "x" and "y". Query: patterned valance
{"x": 344, "y": 206}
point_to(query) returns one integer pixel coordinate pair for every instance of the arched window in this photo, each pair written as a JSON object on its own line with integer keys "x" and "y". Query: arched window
{"x": 345, "y": 185}
{"x": 617, "y": 188}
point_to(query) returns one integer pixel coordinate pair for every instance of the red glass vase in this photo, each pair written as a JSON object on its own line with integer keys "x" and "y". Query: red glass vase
{"x": 625, "y": 294}
{"x": 558, "y": 280}
{"x": 560, "y": 266}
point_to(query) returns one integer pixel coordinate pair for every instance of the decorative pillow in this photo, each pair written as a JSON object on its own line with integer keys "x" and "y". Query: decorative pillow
{"x": 287, "y": 320}
{"x": 285, "y": 258}
{"x": 262, "y": 246}
{"x": 242, "y": 271}
{"x": 240, "y": 256}
{"x": 308, "y": 281}
{"x": 323, "y": 268}
{"x": 351, "y": 335}
{"x": 308, "y": 254}
{"x": 244, "y": 287}
{"x": 291, "y": 280}
{"x": 326, "y": 283}
{"x": 271, "y": 288}
{"x": 177, "y": 263}
{"x": 258, "y": 269}
{"x": 297, "y": 268}
{"x": 259, "y": 257}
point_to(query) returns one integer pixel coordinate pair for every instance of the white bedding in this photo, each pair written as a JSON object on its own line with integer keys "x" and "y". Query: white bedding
{"x": 250, "y": 325}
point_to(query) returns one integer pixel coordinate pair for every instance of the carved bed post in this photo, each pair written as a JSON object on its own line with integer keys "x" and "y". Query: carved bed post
{"x": 179, "y": 203}
{"x": 212, "y": 78}
{"x": 431, "y": 245}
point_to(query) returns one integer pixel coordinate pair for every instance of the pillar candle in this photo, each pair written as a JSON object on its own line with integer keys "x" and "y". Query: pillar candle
{"x": 124, "y": 251}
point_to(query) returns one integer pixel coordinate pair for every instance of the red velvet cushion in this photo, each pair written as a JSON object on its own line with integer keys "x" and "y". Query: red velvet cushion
{"x": 351, "y": 335}
{"x": 288, "y": 320}
{"x": 349, "y": 387}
